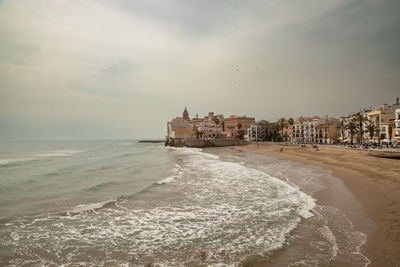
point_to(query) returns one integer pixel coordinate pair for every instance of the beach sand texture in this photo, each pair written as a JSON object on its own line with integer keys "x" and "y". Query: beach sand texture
{"x": 375, "y": 182}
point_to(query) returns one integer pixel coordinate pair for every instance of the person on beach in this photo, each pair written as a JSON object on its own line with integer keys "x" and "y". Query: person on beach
{"x": 281, "y": 150}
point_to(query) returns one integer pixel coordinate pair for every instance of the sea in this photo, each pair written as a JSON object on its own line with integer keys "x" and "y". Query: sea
{"x": 125, "y": 203}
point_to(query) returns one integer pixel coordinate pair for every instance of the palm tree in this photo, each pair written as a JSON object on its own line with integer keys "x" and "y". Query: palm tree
{"x": 371, "y": 130}
{"x": 275, "y": 135}
{"x": 282, "y": 125}
{"x": 341, "y": 127}
{"x": 240, "y": 132}
{"x": 378, "y": 133}
{"x": 266, "y": 128}
{"x": 197, "y": 132}
{"x": 291, "y": 122}
{"x": 359, "y": 119}
{"x": 352, "y": 127}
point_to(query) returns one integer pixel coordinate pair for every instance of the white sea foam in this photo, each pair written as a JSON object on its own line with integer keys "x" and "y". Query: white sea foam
{"x": 59, "y": 153}
{"x": 348, "y": 249}
{"x": 326, "y": 232}
{"x": 167, "y": 180}
{"x": 175, "y": 173}
{"x": 11, "y": 161}
{"x": 126, "y": 144}
{"x": 225, "y": 210}
{"x": 337, "y": 239}
{"x": 90, "y": 206}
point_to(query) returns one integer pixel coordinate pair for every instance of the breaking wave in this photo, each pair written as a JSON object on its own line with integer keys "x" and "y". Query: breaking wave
{"x": 14, "y": 161}
{"x": 207, "y": 212}
{"x": 59, "y": 153}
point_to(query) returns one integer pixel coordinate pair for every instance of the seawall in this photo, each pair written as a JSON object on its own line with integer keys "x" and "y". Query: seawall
{"x": 200, "y": 143}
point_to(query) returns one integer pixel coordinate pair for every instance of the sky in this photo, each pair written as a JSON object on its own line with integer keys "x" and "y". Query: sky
{"x": 111, "y": 69}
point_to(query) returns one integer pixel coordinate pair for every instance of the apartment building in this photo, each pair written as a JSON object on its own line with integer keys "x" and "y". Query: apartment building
{"x": 397, "y": 126}
{"x": 257, "y": 131}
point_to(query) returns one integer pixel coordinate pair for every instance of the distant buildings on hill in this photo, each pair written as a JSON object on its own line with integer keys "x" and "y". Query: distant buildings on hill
{"x": 381, "y": 125}
{"x": 209, "y": 127}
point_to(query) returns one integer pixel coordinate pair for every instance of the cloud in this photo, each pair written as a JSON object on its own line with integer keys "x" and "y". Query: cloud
{"x": 121, "y": 69}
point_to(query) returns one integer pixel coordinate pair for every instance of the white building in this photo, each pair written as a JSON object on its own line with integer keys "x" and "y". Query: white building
{"x": 397, "y": 126}
{"x": 304, "y": 129}
{"x": 257, "y": 131}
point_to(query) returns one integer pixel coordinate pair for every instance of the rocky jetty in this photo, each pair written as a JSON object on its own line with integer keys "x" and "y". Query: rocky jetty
{"x": 200, "y": 143}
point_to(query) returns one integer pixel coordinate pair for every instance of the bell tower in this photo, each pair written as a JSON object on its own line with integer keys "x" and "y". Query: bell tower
{"x": 186, "y": 115}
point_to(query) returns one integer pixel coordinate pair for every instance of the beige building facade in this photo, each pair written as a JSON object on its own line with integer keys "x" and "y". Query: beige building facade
{"x": 179, "y": 128}
{"x": 233, "y": 124}
{"x": 327, "y": 133}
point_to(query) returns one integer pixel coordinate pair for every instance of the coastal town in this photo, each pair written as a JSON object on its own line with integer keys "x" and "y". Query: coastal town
{"x": 367, "y": 127}
{"x": 200, "y": 133}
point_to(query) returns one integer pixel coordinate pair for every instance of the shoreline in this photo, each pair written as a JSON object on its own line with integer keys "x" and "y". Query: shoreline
{"x": 374, "y": 202}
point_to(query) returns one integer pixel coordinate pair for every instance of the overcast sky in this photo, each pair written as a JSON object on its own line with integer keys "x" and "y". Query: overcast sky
{"x": 120, "y": 68}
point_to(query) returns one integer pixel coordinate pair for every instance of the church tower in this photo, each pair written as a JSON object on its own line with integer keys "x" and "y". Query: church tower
{"x": 186, "y": 115}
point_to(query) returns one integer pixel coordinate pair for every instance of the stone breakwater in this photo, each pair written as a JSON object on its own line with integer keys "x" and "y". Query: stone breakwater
{"x": 200, "y": 143}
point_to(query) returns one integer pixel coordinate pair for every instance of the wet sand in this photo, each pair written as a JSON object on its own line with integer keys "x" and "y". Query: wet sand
{"x": 375, "y": 182}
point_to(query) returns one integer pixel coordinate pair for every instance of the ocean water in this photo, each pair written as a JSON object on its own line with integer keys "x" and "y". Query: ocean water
{"x": 123, "y": 203}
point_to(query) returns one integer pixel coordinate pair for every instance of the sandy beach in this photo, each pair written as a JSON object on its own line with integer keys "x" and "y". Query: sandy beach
{"x": 375, "y": 183}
